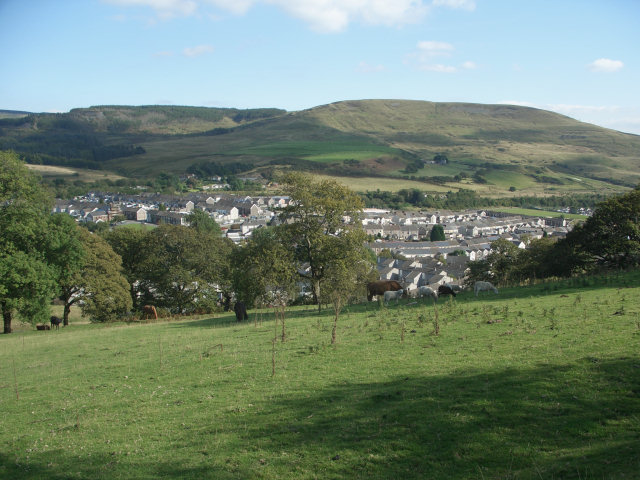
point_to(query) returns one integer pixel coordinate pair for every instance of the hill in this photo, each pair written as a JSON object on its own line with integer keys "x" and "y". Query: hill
{"x": 486, "y": 147}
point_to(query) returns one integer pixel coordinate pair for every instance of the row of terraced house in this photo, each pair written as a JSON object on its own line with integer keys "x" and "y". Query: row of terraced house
{"x": 403, "y": 234}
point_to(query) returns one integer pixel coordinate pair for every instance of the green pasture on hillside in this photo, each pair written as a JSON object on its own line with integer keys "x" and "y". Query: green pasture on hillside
{"x": 364, "y": 184}
{"x": 538, "y": 213}
{"x": 539, "y": 382}
{"x": 320, "y": 151}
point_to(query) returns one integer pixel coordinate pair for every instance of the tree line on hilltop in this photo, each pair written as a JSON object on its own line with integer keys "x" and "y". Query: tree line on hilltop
{"x": 318, "y": 241}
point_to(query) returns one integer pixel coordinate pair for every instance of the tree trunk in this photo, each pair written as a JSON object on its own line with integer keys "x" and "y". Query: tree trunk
{"x": 316, "y": 292}
{"x": 65, "y": 315}
{"x": 334, "y": 331}
{"x": 134, "y": 297}
{"x": 6, "y": 317}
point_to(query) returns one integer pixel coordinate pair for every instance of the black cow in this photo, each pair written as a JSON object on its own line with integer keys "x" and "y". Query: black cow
{"x": 55, "y": 322}
{"x": 241, "y": 311}
{"x": 445, "y": 290}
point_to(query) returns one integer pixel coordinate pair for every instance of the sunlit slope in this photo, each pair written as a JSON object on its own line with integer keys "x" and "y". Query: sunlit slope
{"x": 506, "y": 145}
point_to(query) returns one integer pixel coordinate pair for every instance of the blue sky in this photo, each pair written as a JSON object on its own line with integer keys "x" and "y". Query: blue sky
{"x": 579, "y": 58}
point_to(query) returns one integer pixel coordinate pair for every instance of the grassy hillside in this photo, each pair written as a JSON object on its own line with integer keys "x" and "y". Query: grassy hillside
{"x": 489, "y": 147}
{"x": 536, "y": 382}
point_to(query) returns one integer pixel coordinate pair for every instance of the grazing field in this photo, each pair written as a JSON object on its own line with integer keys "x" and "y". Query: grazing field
{"x": 85, "y": 175}
{"x": 364, "y": 184}
{"x": 535, "y": 382}
{"x": 539, "y": 213}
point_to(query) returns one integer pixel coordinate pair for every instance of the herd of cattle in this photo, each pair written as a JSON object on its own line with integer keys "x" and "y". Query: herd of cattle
{"x": 393, "y": 290}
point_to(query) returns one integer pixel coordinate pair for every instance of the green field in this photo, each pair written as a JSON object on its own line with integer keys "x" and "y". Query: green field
{"x": 364, "y": 184}
{"x": 536, "y": 382}
{"x": 85, "y": 175}
{"x": 539, "y": 213}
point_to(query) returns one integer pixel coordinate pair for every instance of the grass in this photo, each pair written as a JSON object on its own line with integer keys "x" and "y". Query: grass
{"x": 364, "y": 184}
{"x": 85, "y": 175}
{"x": 539, "y": 213}
{"x": 536, "y": 382}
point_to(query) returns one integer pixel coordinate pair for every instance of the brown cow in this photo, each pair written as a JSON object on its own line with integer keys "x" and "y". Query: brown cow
{"x": 149, "y": 311}
{"x": 380, "y": 286}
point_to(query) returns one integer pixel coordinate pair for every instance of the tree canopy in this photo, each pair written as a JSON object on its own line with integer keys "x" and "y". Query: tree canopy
{"x": 437, "y": 233}
{"x": 27, "y": 278}
{"x": 322, "y": 224}
{"x": 610, "y": 237}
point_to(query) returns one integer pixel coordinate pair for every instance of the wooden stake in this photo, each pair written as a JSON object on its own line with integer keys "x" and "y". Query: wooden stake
{"x": 15, "y": 378}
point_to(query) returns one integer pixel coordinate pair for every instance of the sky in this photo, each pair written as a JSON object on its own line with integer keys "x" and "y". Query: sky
{"x": 580, "y": 58}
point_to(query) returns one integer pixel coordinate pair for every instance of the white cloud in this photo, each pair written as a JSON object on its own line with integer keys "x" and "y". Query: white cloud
{"x": 237, "y": 7}
{"x": 364, "y": 67}
{"x": 435, "y": 49}
{"x": 437, "y": 67}
{"x": 458, "y": 4}
{"x": 322, "y": 15}
{"x": 426, "y": 53}
{"x": 606, "y": 65}
{"x": 164, "y": 8}
{"x": 335, "y": 15}
{"x": 197, "y": 50}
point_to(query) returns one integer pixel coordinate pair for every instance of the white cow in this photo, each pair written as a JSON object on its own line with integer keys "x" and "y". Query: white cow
{"x": 425, "y": 291}
{"x": 390, "y": 295}
{"x": 484, "y": 287}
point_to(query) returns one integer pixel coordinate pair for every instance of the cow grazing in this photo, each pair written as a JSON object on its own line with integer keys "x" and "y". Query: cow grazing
{"x": 391, "y": 294}
{"x": 55, "y": 322}
{"x": 149, "y": 311}
{"x": 456, "y": 288}
{"x": 445, "y": 290}
{"x": 380, "y": 286}
{"x": 241, "y": 311}
{"x": 484, "y": 287}
{"x": 43, "y": 327}
{"x": 425, "y": 291}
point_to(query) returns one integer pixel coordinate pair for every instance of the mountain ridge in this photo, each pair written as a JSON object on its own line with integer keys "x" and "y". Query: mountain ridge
{"x": 392, "y": 138}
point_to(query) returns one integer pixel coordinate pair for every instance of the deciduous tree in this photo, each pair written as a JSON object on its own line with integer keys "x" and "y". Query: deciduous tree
{"x": 130, "y": 243}
{"x": 27, "y": 279}
{"x": 437, "y": 233}
{"x": 610, "y": 237}
{"x": 184, "y": 267}
{"x": 322, "y": 218}
{"x": 101, "y": 285}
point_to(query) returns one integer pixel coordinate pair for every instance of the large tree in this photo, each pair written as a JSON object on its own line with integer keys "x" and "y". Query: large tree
{"x": 130, "y": 243}
{"x": 263, "y": 267}
{"x": 610, "y": 237}
{"x": 500, "y": 266}
{"x": 67, "y": 255}
{"x": 27, "y": 278}
{"x": 323, "y": 217}
{"x": 183, "y": 268}
{"x": 103, "y": 289}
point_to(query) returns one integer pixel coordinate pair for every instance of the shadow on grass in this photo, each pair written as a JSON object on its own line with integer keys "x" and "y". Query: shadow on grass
{"x": 267, "y": 315}
{"x": 111, "y": 466}
{"x": 581, "y": 421}
{"x": 576, "y": 421}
